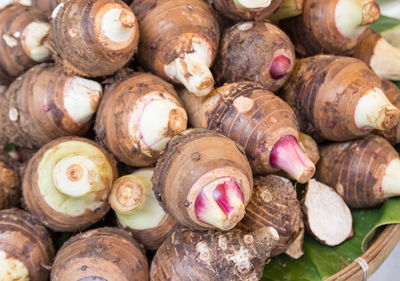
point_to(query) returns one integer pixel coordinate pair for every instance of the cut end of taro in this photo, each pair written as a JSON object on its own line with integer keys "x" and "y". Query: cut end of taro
{"x": 252, "y": 4}
{"x": 32, "y": 40}
{"x": 327, "y": 215}
{"x": 15, "y": 269}
{"x": 353, "y": 17}
{"x": 126, "y": 194}
{"x": 280, "y": 67}
{"x": 391, "y": 179}
{"x": 289, "y": 157}
{"x": 159, "y": 118}
{"x": 116, "y": 26}
{"x": 221, "y": 204}
{"x": 370, "y": 12}
{"x": 192, "y": 69}
{"x": 385, "y": 60}
{"x": 374, "y": 111}
{"x": 81, "y": 98}
{"x": 76, "y": 176}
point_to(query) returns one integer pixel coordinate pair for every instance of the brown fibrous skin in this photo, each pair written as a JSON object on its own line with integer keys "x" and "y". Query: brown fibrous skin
{"x": 33, "y": 112}
{"x": 213, "y": 256}
{"x": 23, "y": 238}
{"x": 393, "y": 94}
{"x": 47, "y": 6}
{"x": 102, "y": 254}
{"x": 79, "y": 44}
{"x": 14, "y": 60}
{"x": 188, "y": 158}
{"x": 121, "y": 98}
{"x": 355, "y": 169}
{"x": 316, "y": 31}
{"x": 169, "y": 27}
{"x": 295, "y": 250}
{"x": 9, "y": 183}
{"x": 274, "y": 203}
{"x": 366, "y": 46}
{"x": 52, "y": 218}
{"x": 230, "y": 10}
{"x": 247, "y": 113}
{"x": 255, "y": 51}
{"x": 324, "y": 91}
{"x": 152, "y": 238}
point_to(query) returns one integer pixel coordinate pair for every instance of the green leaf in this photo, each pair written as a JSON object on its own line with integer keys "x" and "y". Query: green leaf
{"x": 385, "y": 23}
{"x": 320, "y": 261}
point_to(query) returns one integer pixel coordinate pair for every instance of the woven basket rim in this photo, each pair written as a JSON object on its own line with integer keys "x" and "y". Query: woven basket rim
{"x": 374, "y": 256}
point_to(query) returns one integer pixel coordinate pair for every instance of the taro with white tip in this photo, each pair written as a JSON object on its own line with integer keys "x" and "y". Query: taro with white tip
{"x": 67, "y": 183}
{"x": 137, "y": 117}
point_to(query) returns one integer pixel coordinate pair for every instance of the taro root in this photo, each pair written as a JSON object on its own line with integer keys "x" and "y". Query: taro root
{"x": 246, "y": 9}
{"x": 67, "y": 183}
{"x": 179, "y": 41}
{"x": 295, "y": 249}
{"x": 93, "y": 40}
{"x": 101, "y": 254}
{"x": 375, "y": 51}
{"x": 214, "y": 256}
{"x": 259, "y": 121}
{"x": 44, "y": 104}
{"x": 138, "y": 116}
{"x": 203, "y": 180}
{"x": 393, "y": 94}
{"x": 309, "y": 146}
{"x": 338, "y": 98}
{"x": 9, "y": 183}
{"x": 22, "y": 30}
{"x": 25, "y": 247}
{"x": 274, "y": 203}
{"x": 327, "y": 216}
{"x": 330, "y": 26}
{"x": 365, "y": 172}
{"x": 255, "y": 51}
{"x": 138, "y": 211}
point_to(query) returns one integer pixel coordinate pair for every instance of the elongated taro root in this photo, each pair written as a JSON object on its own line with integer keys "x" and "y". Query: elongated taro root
{"x": 25, "y": 247}
{"x": 93, "y": 40}
{"x": 330, "y": 26}
{"x": 138, "y": 116}
{"x": 101, "y": 254}
{"x": 246, "y": 9}
{"x": 179, "y": 41}
{"x": 274, "y": 203}
{"x": 338, "y": 98}
{"x": 214, "y": 256}
{"x": 258, "y": 52}
{"x": 9, "y": 183}
{"x": 44, "y": 104}
{"x": 393, "y": 94}
{"x": 138, "y": 211}
{"x": 327, "y": 216}
{"x": 364, "y": 172}
{"x": 203, "y": 180}
{"x": 22, "y": 30}
{"x": 375, "y": 51}
{"x": 259, "y": 121}
{"x": 67, "y": 183}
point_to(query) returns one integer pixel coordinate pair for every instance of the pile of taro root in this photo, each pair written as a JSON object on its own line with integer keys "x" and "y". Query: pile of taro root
{"x": 166, "y": 136}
